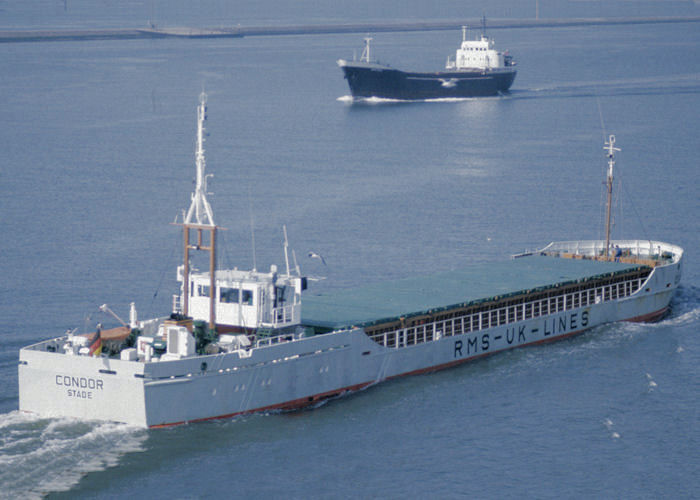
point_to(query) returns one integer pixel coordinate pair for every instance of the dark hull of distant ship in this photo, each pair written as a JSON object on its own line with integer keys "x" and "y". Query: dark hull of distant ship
{"x": 389, "y": 83}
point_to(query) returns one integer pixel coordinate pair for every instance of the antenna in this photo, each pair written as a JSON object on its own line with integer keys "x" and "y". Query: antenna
{"x": 610, "y": 146}
{"x": 296, "y": 265}
{"x": 252, "y": 229}
{"x": 286, "y": 247}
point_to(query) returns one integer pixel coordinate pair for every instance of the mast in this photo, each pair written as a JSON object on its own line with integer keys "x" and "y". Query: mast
{"x": 365, "y": 52}
{"x": 200, "y": 212}
{"x": 610, "y": 146}
{"x": 200, "y": 219}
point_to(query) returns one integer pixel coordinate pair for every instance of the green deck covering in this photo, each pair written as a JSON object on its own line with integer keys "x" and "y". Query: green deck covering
{"x": 382, "y": 302}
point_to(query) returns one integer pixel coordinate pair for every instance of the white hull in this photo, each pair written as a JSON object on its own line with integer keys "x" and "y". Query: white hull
{"x": 293, "y": 373}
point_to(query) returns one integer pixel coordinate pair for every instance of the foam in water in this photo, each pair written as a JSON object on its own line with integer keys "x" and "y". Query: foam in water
{"x": 39, "y": 456}
{"x": 348, "y": 99}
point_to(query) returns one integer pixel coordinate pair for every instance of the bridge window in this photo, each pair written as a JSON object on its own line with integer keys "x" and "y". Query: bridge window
{"x": 279, "y": 296}
{"x": 228, "y": 295}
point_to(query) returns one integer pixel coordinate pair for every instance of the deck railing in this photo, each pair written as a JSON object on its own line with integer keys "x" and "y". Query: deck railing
{"x": 282, "y": 316}
{"x": 177, "y": 304}
{"x": 648, "y": 251}
{"x": 506, "y": 315}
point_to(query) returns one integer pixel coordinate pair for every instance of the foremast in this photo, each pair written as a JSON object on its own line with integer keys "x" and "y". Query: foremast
{"x": 199, "y": 220}
{"x": 610, "y": 146}
{"x": 365, "y": 57}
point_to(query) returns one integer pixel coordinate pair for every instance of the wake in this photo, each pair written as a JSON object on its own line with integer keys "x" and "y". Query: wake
{"x": 39, "y": 456}
{"x": 656, "y": 85}
{"x": 374, "y": 101}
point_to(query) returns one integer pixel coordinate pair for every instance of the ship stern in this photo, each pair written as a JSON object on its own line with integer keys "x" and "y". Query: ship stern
{"x": 57, "y": 385}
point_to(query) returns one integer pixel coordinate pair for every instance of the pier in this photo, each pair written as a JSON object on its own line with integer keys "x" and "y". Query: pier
{"x": 21, "y": 35}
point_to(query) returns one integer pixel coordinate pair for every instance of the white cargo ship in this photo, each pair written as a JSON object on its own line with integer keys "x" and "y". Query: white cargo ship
{"x": 240, "y": 341}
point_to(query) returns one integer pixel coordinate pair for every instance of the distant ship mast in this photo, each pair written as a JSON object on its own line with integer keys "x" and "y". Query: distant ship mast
{"x": 610, "y": 146}
{"x": 200, "y": 218}
{"x": 365, "y": 52}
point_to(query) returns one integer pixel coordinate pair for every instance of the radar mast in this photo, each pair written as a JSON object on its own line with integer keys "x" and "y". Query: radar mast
{"x": 199, "y": 220}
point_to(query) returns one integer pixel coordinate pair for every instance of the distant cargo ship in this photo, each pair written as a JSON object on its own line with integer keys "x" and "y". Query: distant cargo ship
{"x": 239, "y": 341}
{"x": 478, "y": 69}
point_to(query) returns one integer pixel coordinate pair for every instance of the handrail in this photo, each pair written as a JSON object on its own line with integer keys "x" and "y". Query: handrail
{"x": 177, "y": 304}
{"x": 642, "y": 249}
{"x": 506, "y": 315}
{"x": 281, "y": 316}
{"x": 278, "y": 339}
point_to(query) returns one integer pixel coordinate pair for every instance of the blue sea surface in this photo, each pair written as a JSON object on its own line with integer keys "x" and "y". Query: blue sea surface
{"x": 97, "y": 142}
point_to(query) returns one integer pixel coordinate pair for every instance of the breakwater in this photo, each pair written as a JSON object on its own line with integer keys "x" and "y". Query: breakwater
{"x": 7, "y": 36}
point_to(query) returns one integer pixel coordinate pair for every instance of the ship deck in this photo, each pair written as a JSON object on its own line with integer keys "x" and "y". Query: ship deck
{"x": 387, "y": 301}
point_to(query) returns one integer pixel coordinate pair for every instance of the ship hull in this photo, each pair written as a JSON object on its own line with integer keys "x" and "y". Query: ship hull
{"x": 372, "y": 80}
{"x": 296, "y": 373}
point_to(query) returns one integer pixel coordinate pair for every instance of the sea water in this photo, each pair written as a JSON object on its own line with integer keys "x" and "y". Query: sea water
{"x": 97, "y": 143}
